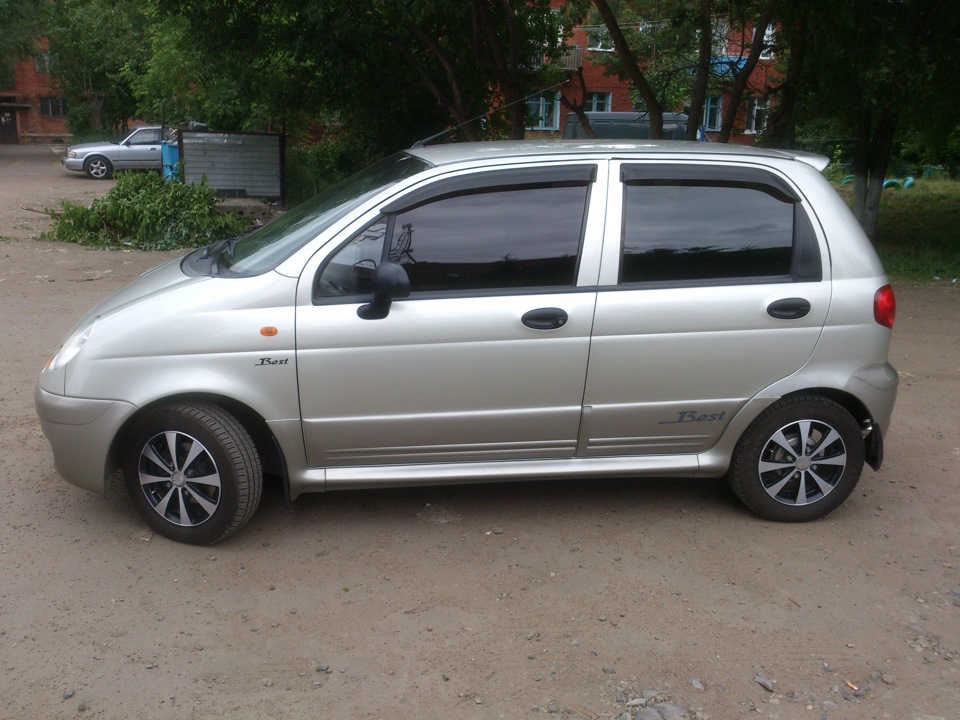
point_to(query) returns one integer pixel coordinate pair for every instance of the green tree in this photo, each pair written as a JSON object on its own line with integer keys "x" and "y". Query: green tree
{"x": 91, "y": 41}
{"x": 23, "y": 22}
{"x": 663, "y": 48}
{"x": 753, "y": 18}
{"x": 396, "y": 70}
{"x": 876, "y": 70}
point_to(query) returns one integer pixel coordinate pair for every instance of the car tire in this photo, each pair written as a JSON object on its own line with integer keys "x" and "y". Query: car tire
{"x": 192, "y": 471}
{"x": 98, "y": 168}
{"x": 799, "y": 459}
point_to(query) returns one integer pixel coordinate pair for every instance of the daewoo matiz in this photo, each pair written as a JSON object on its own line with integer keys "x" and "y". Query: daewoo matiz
{"x": 495, "y": 311}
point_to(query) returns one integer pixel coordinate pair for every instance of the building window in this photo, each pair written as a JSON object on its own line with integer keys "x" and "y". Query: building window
{"x": 598, "y": 39}
{"x": 597, "y": 102}
{"x": 721, "y": 37}
{"x": 757, "y": 110}
{"x": 41, "y": 62}
{"x": 543, "y": 111}
{"x": 52, "y": 107}
{"x": 769, "y": 38}
{"x": 712, "y": 112}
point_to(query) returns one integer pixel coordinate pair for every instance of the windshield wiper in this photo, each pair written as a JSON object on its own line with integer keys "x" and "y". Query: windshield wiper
{"x": 225, "y": 249}
{"x": 214, "y": 248}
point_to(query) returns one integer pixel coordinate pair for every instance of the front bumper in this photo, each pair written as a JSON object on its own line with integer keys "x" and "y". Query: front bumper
{"x": 82, "y": 432}
{"x": 75, "y": 164}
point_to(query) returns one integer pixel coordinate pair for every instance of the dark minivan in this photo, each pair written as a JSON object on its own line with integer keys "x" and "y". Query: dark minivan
{"x": 624, "y": 126}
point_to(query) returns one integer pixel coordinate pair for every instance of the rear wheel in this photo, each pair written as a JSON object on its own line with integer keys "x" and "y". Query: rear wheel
{"x": 799, "y": 460}
{"x": 98, "y": 168}
{"x": 193, "y": 472}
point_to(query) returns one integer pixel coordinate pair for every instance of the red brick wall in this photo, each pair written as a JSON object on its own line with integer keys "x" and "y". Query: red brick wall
{"x": 29, "y": 86}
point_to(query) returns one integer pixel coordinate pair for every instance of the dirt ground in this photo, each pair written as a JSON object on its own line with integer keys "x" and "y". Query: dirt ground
{"x": 533, "y": 600}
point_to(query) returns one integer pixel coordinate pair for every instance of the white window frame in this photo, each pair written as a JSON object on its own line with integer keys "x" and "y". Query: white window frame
{"x": 590, "y": 101}
{"x": 598, "y": 39}
{"x": 540, "y": 110}
{"x": 713, "y": 101}
{"x": 720, "y": 41}
{"x": 769, "y": 38}
{"x": 761, "y": 103}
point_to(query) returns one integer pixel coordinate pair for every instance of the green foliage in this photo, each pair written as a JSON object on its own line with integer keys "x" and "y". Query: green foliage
{"x": 23, "y": 22}
{"x": 145, "y": 212}
{"x": 662, "y": 36}
{"x": 312, "y": 168}
{"x": 837, "y": 169}
{"x": 90, "y": 42}
{"x": 918, "y": 234}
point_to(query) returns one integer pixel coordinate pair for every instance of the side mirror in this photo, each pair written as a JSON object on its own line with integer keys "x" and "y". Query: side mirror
{"x": 390, "y": 282}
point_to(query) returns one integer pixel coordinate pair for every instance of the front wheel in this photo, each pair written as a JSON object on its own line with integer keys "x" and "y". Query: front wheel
{"x": 98, "y": 168}
{"x": 799, "y": 460}
{"x": 193, "y": 472}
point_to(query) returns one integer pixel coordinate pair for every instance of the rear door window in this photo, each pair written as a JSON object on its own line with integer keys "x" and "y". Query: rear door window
{"x": 708, "y": 224}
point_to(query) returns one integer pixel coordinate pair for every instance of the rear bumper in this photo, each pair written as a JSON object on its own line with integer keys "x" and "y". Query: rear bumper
{"x": 81, "y": 433}
{"x": 876, "y": 386}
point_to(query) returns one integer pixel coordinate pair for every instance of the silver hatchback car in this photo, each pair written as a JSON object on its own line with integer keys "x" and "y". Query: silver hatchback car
{"x": 496, "y": 311}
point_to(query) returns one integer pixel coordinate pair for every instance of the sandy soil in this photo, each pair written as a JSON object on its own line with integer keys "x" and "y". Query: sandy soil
{"x": 563, "y": 600}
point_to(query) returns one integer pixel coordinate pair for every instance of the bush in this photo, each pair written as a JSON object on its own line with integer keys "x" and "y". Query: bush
{"x": 145, "y": 212}
{"x": 312, "y": 168}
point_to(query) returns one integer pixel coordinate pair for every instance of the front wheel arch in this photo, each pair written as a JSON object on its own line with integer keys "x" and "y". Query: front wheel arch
{"x": 192, "y": 471}
{"x": 97, "y": 167}
{"x": 252, "y": 421}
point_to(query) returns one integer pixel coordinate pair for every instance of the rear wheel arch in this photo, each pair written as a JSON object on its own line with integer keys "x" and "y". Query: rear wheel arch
{"x": 800, "y": 458}
{"x": 873, "y": 441}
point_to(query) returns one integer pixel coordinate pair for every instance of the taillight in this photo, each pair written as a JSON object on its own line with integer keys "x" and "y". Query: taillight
{"x": 885, "y": 306}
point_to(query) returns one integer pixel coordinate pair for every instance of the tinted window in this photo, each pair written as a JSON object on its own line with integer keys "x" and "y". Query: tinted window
{"x": 494, "y": 238}
{"x": 700, "y": 230}
{"x": 271, "y": 244}
{"x": 350, "y": 271}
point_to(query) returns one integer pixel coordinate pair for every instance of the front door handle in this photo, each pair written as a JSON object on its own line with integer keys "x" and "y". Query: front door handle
{"x": 789, "y": 308}
{"x": 549, "y": 318}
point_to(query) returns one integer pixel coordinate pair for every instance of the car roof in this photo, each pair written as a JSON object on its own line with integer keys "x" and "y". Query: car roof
{"x": 513, "y": 149}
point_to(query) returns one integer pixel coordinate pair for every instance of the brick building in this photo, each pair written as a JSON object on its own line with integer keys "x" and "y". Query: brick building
{"x": 609, "y": 94}
{"x": 30, "y": 111}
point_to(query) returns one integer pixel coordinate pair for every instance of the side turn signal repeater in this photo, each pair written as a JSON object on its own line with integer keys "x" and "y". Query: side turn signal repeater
{"x": 268, "y": 331}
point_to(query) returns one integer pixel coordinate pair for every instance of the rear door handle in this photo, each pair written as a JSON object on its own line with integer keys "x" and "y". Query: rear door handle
{"x": 549, "y": 318}
{"x": 789, "y": 308}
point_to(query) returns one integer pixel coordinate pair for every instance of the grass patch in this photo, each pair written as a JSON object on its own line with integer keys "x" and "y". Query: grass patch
{"x": 145, "y": 212}
{"x": 918, "y": 233}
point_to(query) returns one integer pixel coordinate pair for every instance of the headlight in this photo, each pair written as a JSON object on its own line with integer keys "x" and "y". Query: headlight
{"x": 74, "y": 343}
{"x": 71, "y": 153}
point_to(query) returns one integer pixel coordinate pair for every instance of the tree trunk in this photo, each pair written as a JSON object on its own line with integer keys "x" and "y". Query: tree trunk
{"x": 704, "y": 55}
{"x": 780, "y": 119}
{"x": 578, "y": 108}
{"x": 875, "y": 131}
{"x": 743, "y": 76}
{"x": 501, "y": 63}
{"x": 654, "y": 108}
{"x": 454, "y": 103}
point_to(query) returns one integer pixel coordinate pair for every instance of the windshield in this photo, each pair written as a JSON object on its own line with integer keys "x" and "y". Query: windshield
{"x": 267, "y": 247}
